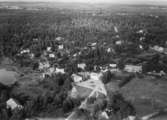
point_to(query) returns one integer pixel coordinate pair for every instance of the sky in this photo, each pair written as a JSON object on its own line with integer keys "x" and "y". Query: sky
{"x": 95, "y": 1}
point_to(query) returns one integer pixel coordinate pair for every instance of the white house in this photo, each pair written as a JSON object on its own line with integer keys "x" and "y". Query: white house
{"x": 59, "y": 39}
{"x": 140, "y": 31}
{"x": 60, "y": 47}
{"x": 119, "y": 42}
{"x": 32, "y": 55}
{"x": 44, "y": 65}
{"x": 49, "y": 49}
{"x": 13, "y": 104}
{"x": 60, "y": 70}
{"x": 113, "y": 65}
{"x": 81, "y": 66}
{"x": 93, "y": 44}
{"x": 95, "y": 76}
{"x": 115, "y": 29}
{"x": 76, "y": 78}
{"x": 52, "y": 55}
{"x": 133, "y": 68}
{"x": 141, "y": 47}
{"x": 104, "y": 115}
{"x": 109, "y": 50}
{"x": 25, "y": 51}
{"x": 130, "y": 118}
{"x": 142, "y": 38}
{"x": 158, "y": 48}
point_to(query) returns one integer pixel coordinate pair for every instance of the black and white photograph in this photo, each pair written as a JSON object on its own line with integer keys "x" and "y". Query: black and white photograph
{"x": 83, "y": 59}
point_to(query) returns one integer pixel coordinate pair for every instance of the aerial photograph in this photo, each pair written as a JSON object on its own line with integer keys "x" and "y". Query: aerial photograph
{"x": 83, "y": 59}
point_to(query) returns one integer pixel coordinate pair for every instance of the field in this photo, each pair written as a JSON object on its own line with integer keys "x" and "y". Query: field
{"x": 94, "y": 34}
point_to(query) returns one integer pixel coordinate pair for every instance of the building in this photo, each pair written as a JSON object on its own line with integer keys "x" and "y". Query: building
{"x": 82, "y": 66}
{"x": 60, "y": 70}
{"x": 158, "y": 48}
{"x": 59, "y": 39}
{"x": 52, "y": 55}
{"x": 76, "y": 78}
{"x": 60, "y": 47}
{"x": 25, "y": 51}
{"x": 49, "y": 49}
{"x": 95, "y": 76}
{"x": 13, "y": 104}
{"x": 113, "y": 65}
{"x": 133, "y": 68}
{"x": 44, "y": 65}
{"x": 119, "y": 42}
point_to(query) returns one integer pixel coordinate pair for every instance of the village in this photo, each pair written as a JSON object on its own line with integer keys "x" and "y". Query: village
{"x": 74, "y": 64}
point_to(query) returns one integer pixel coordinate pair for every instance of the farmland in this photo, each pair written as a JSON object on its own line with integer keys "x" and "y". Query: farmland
{"x": 47, "y": 43}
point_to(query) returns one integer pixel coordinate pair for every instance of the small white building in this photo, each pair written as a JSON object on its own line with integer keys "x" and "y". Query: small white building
{"x": 158, "y": 48}
{"x": 115, "y": 29}
{"x": 140, "y": 31}
{"x": 93, "y": 44}
{"x": 44, "y": 65}
{"x": 113, "y": 65}
{"x": 60, "y": 70}
{"x": 82, "y": 66}
{"x": 133, "y": 68}
{"x": 60, "y": 47}
{"x": 141, "y": 47}
{"x": 52, "y": 55}
{"x": 104, "y": 115}
{"x": 25, "y": 51}
{"x": 76, "y": 78}
{"x": 95, "y": 76}
{"x": 119, "y": 42}
{"x": 59, "y": 39}
{"x": 49, "y": 49}
{"x": 13, "y": 104}
{"x": 142, "y": 38}
{"x": 109, "y": 50}
{"x": 32, "y": 55}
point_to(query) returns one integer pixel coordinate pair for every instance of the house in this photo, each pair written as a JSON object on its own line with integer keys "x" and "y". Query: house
{"x": 95, "y": 76}
{"x": 158, "y": 48}
{"x": 49, "y": 49}
{"x": 60, "y": 70}
{"x": 142, "y": 38}
{"x": 44, "y": 65}
{"x": 13, "y": 104}
{"x": 60, "y": 47}
{"x": 119, "y": 42}
{"x": 109, "y": 50}
{"x": 77, "y": 78}
{"x": 104, "y": 115}
{"x": 140, "y": 31}
{"x": 133, "y": 68}
{"x": 115, "y": 29}
{"x": 113, "y": 65}
{"x": 81, "y": 66}
{"x": 59, "y": 39}
{"x": 92, "y": 44}
{"x": 25, "y": 51}
{"x": 32, "y": 55}
{"x": 141, "y": 47}
{"x": 52, "y": 55}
